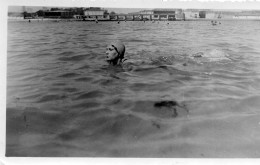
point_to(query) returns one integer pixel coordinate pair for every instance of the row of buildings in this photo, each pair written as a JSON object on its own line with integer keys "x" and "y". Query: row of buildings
{"x": 221, "y": 14}
{"x": 96, "y": 13}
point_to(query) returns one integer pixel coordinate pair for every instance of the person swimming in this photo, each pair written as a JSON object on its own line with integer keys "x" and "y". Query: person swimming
{"x": 115, "y": 56}
{"x": 115, "y": 53}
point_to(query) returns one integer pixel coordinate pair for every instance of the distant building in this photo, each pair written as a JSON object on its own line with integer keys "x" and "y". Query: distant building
{"x": 58, "y": 14}
{"x": 146, "y": 12}
{"x": 29, "y": 15}
{"x": 192, "y": 14}
{"x": 161, "y": 14}
{"x": 251, "y": 16}
{"x": 94, "y": 13}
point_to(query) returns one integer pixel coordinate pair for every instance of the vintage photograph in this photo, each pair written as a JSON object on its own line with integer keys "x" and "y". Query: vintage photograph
{"x": 180, "y": 80}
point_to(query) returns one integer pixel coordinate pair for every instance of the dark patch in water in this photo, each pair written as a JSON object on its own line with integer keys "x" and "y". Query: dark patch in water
{"x": 69, "y": 75}
{"x": 70, "y": 89}
{"x": 166, "y": 104}
{"x": 73, "y": 58}
{"x": 104, "y": 82}
{"x": 197, "y": 55}
{"x": 86, "y": 105}
{"x": 114, "y": 76}
{"x": 96, "y": 113}
{"x": 161, "y": 109}
{"x": 92, "y": 94}
{"x": 148, "y": 87}
{"x": 172, "y": 105}
{"x": 66, "y": 53}
{"x": 84, "y": 79}
{"x": 51, "y": 98}
{"x": 70, "y": 135}
{"x": 59, "y": 84}
{"x": 54, "y": 89}
{"x": 156, "y": 125}
{"x": 84, "y": 67}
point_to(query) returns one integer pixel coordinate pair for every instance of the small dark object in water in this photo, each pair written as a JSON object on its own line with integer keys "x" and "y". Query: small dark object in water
{"x": 118, "y": 22}
{"x": 172, "y": 106}
{"x": 199, "y": 54}
{"x": 184, "y": 64}
{"x": 156, "y": 125}
{"x": 165, "y": 104}
{"x": 169, "y": 104}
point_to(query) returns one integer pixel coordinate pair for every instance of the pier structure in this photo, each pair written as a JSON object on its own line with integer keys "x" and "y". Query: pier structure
{"x": 130, "y": 18}
{"x": 97, "y": 14}
{"x": 133, "y": 17}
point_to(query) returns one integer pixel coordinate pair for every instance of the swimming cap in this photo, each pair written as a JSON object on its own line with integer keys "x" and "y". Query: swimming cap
{"x": 120, "y": 48}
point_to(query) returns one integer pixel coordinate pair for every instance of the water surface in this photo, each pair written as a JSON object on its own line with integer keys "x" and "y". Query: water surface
{"x": 64, "y": 100}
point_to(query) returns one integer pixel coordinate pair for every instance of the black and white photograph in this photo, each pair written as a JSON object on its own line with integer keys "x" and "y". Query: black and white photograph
{"x": 132, "y": 79}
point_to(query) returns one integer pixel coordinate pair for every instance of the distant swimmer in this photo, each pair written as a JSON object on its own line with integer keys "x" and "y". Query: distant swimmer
{"x": 118, "y": 22}
{"x": 29, "y": 21}
{"x": 96, "y": 21}
{"x": 214, "y": 23}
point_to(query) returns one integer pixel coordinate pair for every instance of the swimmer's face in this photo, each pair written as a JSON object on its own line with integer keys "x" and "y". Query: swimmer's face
{"x": 111, "y": 53}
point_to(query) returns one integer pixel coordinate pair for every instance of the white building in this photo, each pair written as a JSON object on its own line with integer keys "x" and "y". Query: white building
{"x": 91, "y": 12}
{"x": 95, "y": 13}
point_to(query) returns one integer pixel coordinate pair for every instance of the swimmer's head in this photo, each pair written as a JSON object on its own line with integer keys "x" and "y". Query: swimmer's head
{"x": 115, "y": 52}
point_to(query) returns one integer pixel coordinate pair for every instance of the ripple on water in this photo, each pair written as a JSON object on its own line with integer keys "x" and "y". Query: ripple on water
{"x": 69, "y": 75}
{"x": 148, "y": 87}
{"x": 84, "y": 79}
{"x": 91, "y": 94}
{"x": 64, "y": 100}
{"x": 66, "y": 53}
{"x": 73, "y": 58}
{"x": 86, "y": 105}
{"x": 52, "y": 97}
{"x": 165, "y": 111}
{"x": 104, "y": 128}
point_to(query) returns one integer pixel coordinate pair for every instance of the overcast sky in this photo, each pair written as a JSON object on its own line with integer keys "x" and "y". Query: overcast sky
{"x": 201, "y": 4}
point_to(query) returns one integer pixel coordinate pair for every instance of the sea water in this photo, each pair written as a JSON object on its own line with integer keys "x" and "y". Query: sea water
{"x": 64, "y": 100}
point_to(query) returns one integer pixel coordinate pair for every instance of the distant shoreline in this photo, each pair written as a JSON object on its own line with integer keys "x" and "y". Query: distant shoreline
{"x": 77, "y": 20}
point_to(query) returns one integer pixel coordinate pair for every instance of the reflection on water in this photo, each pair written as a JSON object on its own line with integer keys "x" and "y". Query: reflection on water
{"x": 198, "y": 97}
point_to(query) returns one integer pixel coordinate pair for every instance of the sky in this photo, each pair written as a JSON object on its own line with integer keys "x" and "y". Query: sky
{"x": 184, "y": 4}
